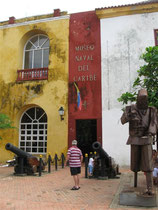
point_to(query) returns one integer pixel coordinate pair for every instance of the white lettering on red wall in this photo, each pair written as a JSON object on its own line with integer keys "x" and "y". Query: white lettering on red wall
{"x": 87, "y": 57}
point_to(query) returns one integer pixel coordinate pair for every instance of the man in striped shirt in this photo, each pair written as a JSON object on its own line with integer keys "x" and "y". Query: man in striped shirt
{"x": 75, "y": 157}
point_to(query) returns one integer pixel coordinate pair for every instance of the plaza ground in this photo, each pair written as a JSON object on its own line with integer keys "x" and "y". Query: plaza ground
{"x": 52, "y": 191}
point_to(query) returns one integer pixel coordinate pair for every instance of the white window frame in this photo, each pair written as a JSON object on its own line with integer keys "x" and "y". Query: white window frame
{"x": 36, "y": 48}
{"x": 31, "y": 132}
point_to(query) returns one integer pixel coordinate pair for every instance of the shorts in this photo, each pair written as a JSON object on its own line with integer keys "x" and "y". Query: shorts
{"x": 155, "y": 172}
{"x": 75, "y": 170}
{"x": 90, "y": 169}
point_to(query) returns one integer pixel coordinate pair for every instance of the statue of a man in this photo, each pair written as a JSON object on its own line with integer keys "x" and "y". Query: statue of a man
{"x": 142, "y": 127}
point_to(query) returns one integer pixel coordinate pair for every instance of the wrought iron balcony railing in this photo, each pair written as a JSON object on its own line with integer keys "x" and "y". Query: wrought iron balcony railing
{"x": 32, "y": 74}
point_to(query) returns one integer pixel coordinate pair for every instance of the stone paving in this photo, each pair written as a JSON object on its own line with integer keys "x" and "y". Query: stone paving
{"x": 52, "y": 191}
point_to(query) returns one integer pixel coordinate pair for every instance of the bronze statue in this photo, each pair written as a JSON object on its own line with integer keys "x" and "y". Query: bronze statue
{"x": 142, "y": 127}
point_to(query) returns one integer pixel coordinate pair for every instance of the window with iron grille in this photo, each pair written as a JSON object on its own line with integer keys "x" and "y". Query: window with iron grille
{"x": 33, "y": 131}
{"x": 36, "y": 52}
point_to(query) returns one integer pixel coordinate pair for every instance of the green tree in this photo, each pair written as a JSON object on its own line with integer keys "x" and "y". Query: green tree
{"x": 5, "y": 122}
{"x": 147, "y": 78}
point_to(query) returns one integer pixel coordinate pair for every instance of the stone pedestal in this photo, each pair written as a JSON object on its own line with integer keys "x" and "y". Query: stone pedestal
{"x": 136, "y": 197}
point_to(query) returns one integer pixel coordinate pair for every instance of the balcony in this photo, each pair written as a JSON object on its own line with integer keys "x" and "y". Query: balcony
{"x": 32, "y": 74}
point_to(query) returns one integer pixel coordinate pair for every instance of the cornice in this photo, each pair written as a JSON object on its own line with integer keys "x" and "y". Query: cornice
{"x": 126, "y": 10}
{"x": 27, "y": 22}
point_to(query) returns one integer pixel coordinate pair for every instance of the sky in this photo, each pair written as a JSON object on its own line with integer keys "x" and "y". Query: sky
{"x": 27, "y": 8}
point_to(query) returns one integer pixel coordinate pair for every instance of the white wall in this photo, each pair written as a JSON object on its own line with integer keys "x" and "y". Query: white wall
{"x": 123, "y": 40}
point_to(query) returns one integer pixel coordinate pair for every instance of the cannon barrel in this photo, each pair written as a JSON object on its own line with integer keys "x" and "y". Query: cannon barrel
{"x": 104, "y": 165}
{"x": 17, "y": 151}
{"x": 97, "y": 147}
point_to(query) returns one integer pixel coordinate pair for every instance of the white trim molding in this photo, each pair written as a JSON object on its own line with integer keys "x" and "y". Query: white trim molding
{"x": 35, "y": 21}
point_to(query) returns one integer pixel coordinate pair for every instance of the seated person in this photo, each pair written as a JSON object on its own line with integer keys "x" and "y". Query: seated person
{"x": 155, "y": 170}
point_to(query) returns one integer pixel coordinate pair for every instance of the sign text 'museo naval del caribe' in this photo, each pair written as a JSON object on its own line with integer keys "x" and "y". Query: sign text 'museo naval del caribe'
{"x": 84, "y": 58}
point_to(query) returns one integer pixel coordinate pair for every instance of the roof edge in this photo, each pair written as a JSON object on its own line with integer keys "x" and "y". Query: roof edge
{"x": 127, "y": 10}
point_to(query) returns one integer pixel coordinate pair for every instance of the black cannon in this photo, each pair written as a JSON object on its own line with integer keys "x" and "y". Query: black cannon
{"x": 104, "y": 165}
{"x": 25, "y": 163}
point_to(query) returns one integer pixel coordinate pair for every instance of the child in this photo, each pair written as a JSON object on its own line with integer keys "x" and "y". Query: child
{"x": 90, "y": 165}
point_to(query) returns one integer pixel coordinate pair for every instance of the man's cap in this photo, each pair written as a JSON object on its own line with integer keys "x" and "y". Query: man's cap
{"x": 74, "y": 142}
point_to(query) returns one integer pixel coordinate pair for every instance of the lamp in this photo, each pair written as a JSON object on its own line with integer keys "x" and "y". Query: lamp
{"x": 61, "y": 113}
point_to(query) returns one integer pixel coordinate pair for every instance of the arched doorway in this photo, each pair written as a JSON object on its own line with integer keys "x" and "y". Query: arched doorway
{"x": 33, "y": 131}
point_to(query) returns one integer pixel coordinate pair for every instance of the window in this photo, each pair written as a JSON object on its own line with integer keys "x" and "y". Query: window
{"x": 36, "y": 52}
{"x": 156, "y": 36}
{"x": 33, "y": 131}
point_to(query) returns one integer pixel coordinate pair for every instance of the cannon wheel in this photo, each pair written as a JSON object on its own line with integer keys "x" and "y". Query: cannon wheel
{"x": 113, "y": 173}
{"x": 29, "y": 170}
{"x": 16, "y": 169}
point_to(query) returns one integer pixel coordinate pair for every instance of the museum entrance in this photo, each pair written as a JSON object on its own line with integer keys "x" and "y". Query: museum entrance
{"x": 86, "y": 134}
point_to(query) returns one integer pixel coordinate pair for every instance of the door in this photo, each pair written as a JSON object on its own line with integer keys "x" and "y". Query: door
{"x": 86, "y": 134}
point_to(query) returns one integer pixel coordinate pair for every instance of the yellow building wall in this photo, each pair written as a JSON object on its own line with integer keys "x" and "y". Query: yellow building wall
{"x": 50, "y": 95}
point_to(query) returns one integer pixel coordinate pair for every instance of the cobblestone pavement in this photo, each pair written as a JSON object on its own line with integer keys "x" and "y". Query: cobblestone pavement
{"x": 52, "y": 191}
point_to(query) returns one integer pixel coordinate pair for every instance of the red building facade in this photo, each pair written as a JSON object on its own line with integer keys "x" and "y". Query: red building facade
{"x": 85, "y": 121}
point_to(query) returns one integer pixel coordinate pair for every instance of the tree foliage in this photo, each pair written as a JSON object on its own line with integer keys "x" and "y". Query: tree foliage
{"x": 5, "y": 122}
{"x": 147, "y": 78}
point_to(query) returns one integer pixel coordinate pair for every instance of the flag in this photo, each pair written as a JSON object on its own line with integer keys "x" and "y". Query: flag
{"x": 79, "y": 101}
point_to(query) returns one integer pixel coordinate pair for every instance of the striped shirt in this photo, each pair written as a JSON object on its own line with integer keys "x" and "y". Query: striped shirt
{"x": 74, "y": 154}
